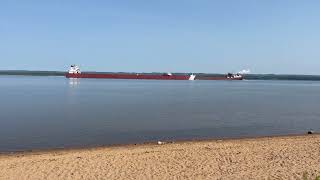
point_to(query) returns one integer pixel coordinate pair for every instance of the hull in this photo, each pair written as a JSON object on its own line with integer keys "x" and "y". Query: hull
{"x": 146, "y": 77}
{"x": 128, "y": 76}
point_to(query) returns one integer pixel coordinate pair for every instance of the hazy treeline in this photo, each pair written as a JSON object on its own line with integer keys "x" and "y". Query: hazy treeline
{"x": 248, "y": 76}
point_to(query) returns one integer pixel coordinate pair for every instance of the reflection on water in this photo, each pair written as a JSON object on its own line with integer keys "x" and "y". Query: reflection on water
{"x": 74, "y": 82}
{"x": 51, "y": 112}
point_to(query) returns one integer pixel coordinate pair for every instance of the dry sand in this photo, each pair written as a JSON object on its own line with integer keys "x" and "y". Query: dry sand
{"x": 287, "y": 157}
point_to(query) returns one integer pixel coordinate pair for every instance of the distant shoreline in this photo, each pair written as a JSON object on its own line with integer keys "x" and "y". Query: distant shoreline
{"x": 247, "y": 77}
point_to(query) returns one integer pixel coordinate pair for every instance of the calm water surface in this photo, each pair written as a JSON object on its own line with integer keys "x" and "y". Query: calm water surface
{"x": 54, "y": 112}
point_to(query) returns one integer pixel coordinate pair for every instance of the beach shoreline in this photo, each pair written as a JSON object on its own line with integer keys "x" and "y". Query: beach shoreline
{"x": 145, "y": 143}
{"x": 276, "y": 157}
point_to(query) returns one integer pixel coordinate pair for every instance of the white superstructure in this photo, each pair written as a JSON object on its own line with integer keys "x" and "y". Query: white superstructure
{"x": 192, "y": 77}
{"x": 74, "y": 69}
{"x": 234, "y": 76}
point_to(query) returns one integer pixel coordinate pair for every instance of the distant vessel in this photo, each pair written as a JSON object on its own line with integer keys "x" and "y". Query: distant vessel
{"x": 74, "y": 72}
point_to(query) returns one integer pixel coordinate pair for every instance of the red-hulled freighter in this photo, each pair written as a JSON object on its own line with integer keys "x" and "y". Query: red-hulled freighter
{"x": 75, "y": 72}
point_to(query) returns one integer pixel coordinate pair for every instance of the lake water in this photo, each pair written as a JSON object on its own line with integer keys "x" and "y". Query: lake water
{"x": 55, "y": 112}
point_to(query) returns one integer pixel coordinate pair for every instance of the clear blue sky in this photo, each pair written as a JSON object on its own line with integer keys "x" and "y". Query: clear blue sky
{"x": 266, "y": 36}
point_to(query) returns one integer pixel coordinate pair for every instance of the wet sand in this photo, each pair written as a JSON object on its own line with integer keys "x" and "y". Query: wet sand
{"x": 286, "y": 157}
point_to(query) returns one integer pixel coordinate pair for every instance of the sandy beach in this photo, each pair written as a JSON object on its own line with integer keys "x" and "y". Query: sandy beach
{"x": 287, "y": 157}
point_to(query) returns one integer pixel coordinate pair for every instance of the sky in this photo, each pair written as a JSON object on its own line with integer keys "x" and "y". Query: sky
{"x": 210, "y": 36}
